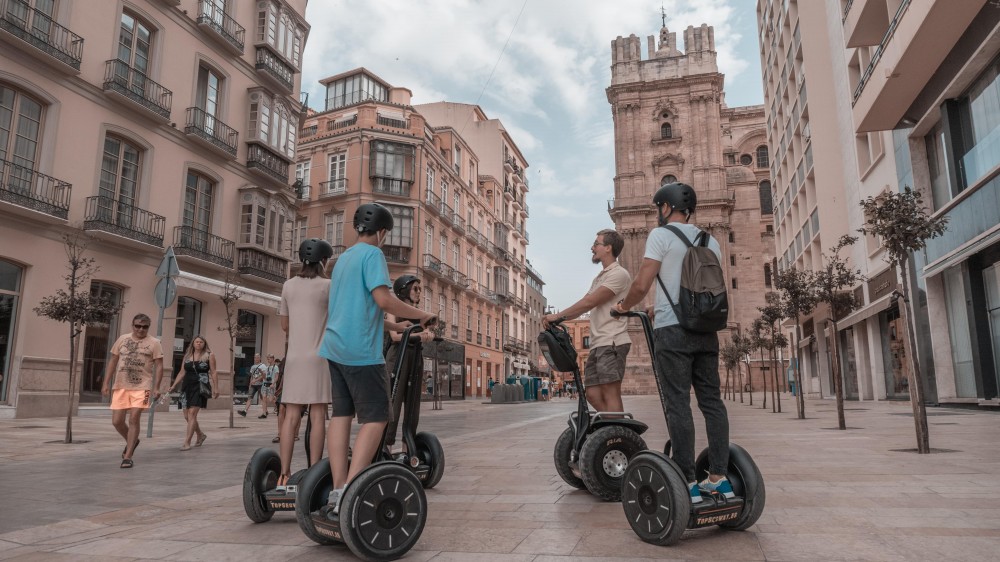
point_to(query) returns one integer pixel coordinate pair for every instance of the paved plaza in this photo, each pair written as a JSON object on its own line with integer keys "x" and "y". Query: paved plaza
{"x": 831, "y": 495}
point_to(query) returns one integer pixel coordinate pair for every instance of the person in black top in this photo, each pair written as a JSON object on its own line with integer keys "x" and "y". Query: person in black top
{"x": 199, "y": 367}
{"x": 408, "y": 290}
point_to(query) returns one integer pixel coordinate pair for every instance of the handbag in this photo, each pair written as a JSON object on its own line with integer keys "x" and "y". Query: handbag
{"x": 204, "y": 387}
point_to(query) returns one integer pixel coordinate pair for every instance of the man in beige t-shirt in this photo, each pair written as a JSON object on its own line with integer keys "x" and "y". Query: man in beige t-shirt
{"x": 609, "y": 340}
{"x": 136, "y": 358}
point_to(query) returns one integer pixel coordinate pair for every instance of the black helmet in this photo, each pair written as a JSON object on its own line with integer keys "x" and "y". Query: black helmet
{"x": 679, "y": 196}
{"x": 372, "y": 217}
{"x": 401, "y": 286}
{"x": 314, "y": 250}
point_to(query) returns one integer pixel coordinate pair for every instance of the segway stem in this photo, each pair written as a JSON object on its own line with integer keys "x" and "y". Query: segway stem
{"x": 647, "y": 329}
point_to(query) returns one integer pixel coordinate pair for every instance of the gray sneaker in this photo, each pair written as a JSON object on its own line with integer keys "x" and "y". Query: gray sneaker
{"x": 333, "y": 500}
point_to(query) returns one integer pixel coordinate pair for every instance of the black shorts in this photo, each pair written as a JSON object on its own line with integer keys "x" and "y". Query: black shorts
{"x": 360, "y": 390}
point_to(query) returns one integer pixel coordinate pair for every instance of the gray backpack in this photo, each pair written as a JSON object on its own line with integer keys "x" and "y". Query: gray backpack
{"x": 702, "y": 305}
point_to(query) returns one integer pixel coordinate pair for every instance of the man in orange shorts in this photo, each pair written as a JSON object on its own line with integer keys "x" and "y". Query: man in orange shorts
{"x": 135, "y": 359}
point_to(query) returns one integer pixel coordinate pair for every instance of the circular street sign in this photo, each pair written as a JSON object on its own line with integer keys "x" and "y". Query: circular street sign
{"x": 165, "y": 292}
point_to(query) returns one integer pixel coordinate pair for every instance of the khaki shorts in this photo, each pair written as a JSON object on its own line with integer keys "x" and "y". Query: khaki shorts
{"x": 124, "y": 399}
{"x": 605, "y": 364}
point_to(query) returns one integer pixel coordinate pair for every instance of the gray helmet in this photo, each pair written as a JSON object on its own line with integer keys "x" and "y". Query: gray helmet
{"x": 401, "y": 286}
{"x": 314, "y": 250}
{"x": 372, "y": 217}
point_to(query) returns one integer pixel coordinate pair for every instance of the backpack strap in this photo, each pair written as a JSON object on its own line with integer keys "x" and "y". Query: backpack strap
{"x": 680, "y": 234}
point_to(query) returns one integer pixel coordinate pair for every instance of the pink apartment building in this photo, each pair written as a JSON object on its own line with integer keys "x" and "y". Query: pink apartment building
{"x": 144, "y": 124}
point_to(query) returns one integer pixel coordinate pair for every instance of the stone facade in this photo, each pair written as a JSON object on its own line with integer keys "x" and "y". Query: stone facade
{"x": 672, "y": 124}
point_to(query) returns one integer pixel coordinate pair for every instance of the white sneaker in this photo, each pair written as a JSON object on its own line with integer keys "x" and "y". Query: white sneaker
{"x": 333, "y": 499}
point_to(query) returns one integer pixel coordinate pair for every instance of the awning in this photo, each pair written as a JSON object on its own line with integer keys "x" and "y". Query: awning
{"x": 866, "y": 312}
{"x": 216, "y": 287}
{"x": 964, "y": 252}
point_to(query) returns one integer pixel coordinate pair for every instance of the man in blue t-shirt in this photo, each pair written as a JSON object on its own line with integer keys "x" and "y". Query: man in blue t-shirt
{"x": 352, "y": 345}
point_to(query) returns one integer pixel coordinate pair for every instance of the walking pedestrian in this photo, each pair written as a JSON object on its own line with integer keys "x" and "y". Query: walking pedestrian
{"x": 683, "y": 357}
{"x": 136, "y": 365}
{"x": 267, "y": 390}
{"x": 199, "y": 369}
{"x": 257, "y": 373}
{"x": 609, "y": 339}
{"x": 305, "y": 380}
{"x": 545, "y": 389}
{"x": 352, "y": 345}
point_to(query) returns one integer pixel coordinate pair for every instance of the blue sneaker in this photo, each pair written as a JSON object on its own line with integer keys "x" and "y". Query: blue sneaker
{"x": 695, "y": 492}
{"x": 722, "y": 487}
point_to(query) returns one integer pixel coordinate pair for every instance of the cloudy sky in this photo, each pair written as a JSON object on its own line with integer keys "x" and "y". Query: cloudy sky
{"x": 547, "y": 88}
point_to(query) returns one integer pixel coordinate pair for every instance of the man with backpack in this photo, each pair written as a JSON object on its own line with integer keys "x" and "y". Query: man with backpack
{"x": 691, "y": 307}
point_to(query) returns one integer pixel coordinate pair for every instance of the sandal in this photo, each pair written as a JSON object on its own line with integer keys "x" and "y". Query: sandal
{"x": 276, "y": 439}
{"x": 185, "y": 447}
{"x": 262, "y": 416}
{"x": 125, "y": 450}
{"x": 126, "y": 463}
{"x": 201, "y": 439}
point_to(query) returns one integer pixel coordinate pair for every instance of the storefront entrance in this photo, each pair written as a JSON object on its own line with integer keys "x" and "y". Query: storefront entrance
{"x": 894, "y": 354}
{"x": 849, "y": 364}
{"x": 188, "y": 325}
{"x": 991, "y": 281}
{"x": 10, "y": 292}
{"x": 247, "y": 345}
{"x": 97, "y": 347}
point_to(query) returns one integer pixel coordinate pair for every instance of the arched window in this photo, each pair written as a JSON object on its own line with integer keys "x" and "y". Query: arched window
{"x": 197, "y": 215}
{"x": 762, "y": 161}
{"x": 766, "y": 201}
{"x": 20, "y": 122}
{"x": 665, "y": 131}
{"x": 11, "y": 276}
{"x": 669, "y": 178}
{"x": 746, "y": 159}
{"x": 767, "y": 275}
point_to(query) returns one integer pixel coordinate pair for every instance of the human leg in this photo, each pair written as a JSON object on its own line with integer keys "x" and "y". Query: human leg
{"x": 286, "y": 419}
{"x": 397, "y": 390}
{"x": 317, "y": 438}
{"x": 118, "y": 421}
{"x": 411, "y": 418}
{"x": 369, "y": 387}
{"x": 673, "y": 366}
{"x": 705, "y": 378}
{"x": 189, "y": 417}
{"x": 134, "y": 415}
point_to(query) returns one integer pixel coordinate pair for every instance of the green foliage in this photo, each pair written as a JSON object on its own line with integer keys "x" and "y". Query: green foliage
{"x": 902, "y": 222}
{"x": 75, "y": 304}
{"x": 834, "y": 281}
{"x": 798, "y": 291}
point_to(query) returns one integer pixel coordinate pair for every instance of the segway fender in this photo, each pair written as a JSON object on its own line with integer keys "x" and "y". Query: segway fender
{"x": 635, "y": 425}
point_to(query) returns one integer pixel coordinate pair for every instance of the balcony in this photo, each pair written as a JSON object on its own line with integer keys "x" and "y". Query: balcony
{"x": 447, "y": 213}
{"x": 460, "y": 279}
{"x": 267, "y": 163}
{"x": 274, "y": 69}
{"x": 27, "y": 188}
{"x": 123, "y": 80}
{"x": 391, "y": 186}
{"x": 211, "y": 132}
{"x": 105, "y": 214}
{"x": 337, "y": 252}
{"x": 433, "y": 202}
{"x": 47, "y": 38}
{"x": 189, "y": 241}
{"x": 252, "y": 261}
{"x": 390, "y": 122}
{"x": 912, "y": 48}
{"x": 221, "y": 26}
{"x": 864, "y": 22}
{"x": 333, "y": 188}
{"x": 458, "y": 223}
{"x": 433, "y": 265}
{"x": 396, "y": 254}
{"x": 468, "y": 336}
{"x": 524, "y": 211}
{"x": 342, "y": 124}
{"x": 508, "y": 193}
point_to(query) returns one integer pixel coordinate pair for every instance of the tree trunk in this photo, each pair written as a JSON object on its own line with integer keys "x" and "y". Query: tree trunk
{"x": 776, "y": 397}
{"x": 797, "y": 373}
{"x": 915, "y": 381}
{"x": 72, "y": 381}
{"x": 232, "y": 380}
{"x": 739, "y": 381}
{"x": 838, "y": 386}
{"x": 774, "y": 380}
{"x": 763, "y": 379}
{"x": 749, "y": 380}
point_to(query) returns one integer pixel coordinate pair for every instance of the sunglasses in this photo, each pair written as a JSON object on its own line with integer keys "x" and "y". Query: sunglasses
{"x": 141, "y": 326}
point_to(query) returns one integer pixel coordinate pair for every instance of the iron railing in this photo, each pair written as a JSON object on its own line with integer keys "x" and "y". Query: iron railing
{"x": 877, "y": 55}
{"x": 447, "y": 213}
{"x": 390, "y": 122}
{"x": 333, "y": 125}
{"x": 458, "y": 223}
{"x": 270, "y": 64}
{"x": 333, "y": 187}
{"x": 210, "y": 14}
{"x": 201, "y": 244}
{"x": 460, "y": 279}
{"x": 206, "y": 126}
{"x": 124, "y": 219}
{"x": 391, "y": 186}
{"x": 396, "y": 254}
{"x": 135, "y": 86}
{"x": 433, "y": 265}
{"x": 38, "y": 30}
{"x": 26, "y": 187}
{"x": 262, "y": 159}
{"x": 338, "y": 251}
{"x": 252, "y": 261}
{"x": 433, "y": 202}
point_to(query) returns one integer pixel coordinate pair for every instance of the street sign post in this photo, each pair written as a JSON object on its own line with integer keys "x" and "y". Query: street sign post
{"x": 165, "y": 293}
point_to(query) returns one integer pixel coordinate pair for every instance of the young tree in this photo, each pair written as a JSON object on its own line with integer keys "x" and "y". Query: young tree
{"x": 78, "y": 307}
{"x": 741, "y": 343}
{"x": 904, "y": 226}
{"x": 231, "y": 294}
{"x": 799, "y": 296}
{"x": 758, "y": 342}
{"x": 730, "y": 360}
{"x": 771, "y": 316}
{"x": 833, "y": 284}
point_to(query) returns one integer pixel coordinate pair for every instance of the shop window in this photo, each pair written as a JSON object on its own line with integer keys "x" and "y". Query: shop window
{"x": 11, "y": 279}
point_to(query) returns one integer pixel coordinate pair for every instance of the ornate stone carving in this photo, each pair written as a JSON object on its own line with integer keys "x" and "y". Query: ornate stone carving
{"x": 672, "y": 160}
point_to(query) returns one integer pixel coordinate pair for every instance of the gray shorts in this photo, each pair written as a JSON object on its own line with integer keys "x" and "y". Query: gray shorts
{"x": 361, "y": 390}
{"x": 605, "y": 364}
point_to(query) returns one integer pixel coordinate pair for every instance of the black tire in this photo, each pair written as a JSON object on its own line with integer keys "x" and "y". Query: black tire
{"x": 383, "y": 512}
{"x": 561, "y": 456}
{"x": 261, "y": 475}
{"x": 313, "y": 492}
{"x": 432, "y": 454}
{"x": 655, "y": 498}
{"x": 604, "y": 458}
{"x": 747, "y": 483}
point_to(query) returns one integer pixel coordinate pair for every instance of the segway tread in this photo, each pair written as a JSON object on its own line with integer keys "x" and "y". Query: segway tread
{"x": 387, "y": 509}
{"x": 260, "y": 476}
{"x": 561, "y": 457}
{"x": 747, "y": 483}
{"x": 656, "y": 499}
{"x": 604, "y": 457}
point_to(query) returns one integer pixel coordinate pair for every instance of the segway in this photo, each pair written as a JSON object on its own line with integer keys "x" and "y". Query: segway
{"x": 655, "y": 492}
{"x": 595, "y": 450}
{"x": 384, "y": 508}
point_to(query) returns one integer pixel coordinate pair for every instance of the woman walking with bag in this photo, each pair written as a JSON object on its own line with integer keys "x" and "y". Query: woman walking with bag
{"x": 199, "y": 382}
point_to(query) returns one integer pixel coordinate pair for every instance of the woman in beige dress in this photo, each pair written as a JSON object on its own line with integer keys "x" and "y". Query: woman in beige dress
{"x": 306, "y": 379}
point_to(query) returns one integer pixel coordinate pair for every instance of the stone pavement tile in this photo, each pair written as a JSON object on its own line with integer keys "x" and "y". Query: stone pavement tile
{"x": 944, "y": 548}
{"x": 47, "y": 532}
{"x": 445, "y": 539}
{"x": 559, "y": 507}
{"x": 473, "y": 557}
{"x": 55, "y": 556}
{"x": 703, "y": 544}
{"x": 528, "y": 498}
{"x": 550, "y": 541}
{"x": 816, "y": 546}
{"x": 87, "y": 536}
{"x": 494, "y": 524}
{"x": 459, "y": 498}
{"x": 239, "y": 552}
{"x": 141, "y": 514}
{"x": 130, "y": 548}
{"x": 173, "y": 529}
{"x": 21, "y": 551}
{"x": 283, "y": 529}
{"x": 579, "y": 558}
{"x": 473, "y": 506}
{"x": 450, "y": 517}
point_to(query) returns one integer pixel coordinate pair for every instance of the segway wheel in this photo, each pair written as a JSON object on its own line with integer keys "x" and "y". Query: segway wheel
{"x": 432, "y": 454}
{"x": 261, "y": 475}
{"x": 313, "y": 492}
{"x": 656, "y": 499}
{"x": 747, "y": 483}
{"x": 561, "y": 456}
{"x": 383, "y": 512}
{"x": 605, "y": 456}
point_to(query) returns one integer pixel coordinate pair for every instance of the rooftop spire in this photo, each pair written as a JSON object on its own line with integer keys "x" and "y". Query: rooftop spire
{"x": 663, "y": 15}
